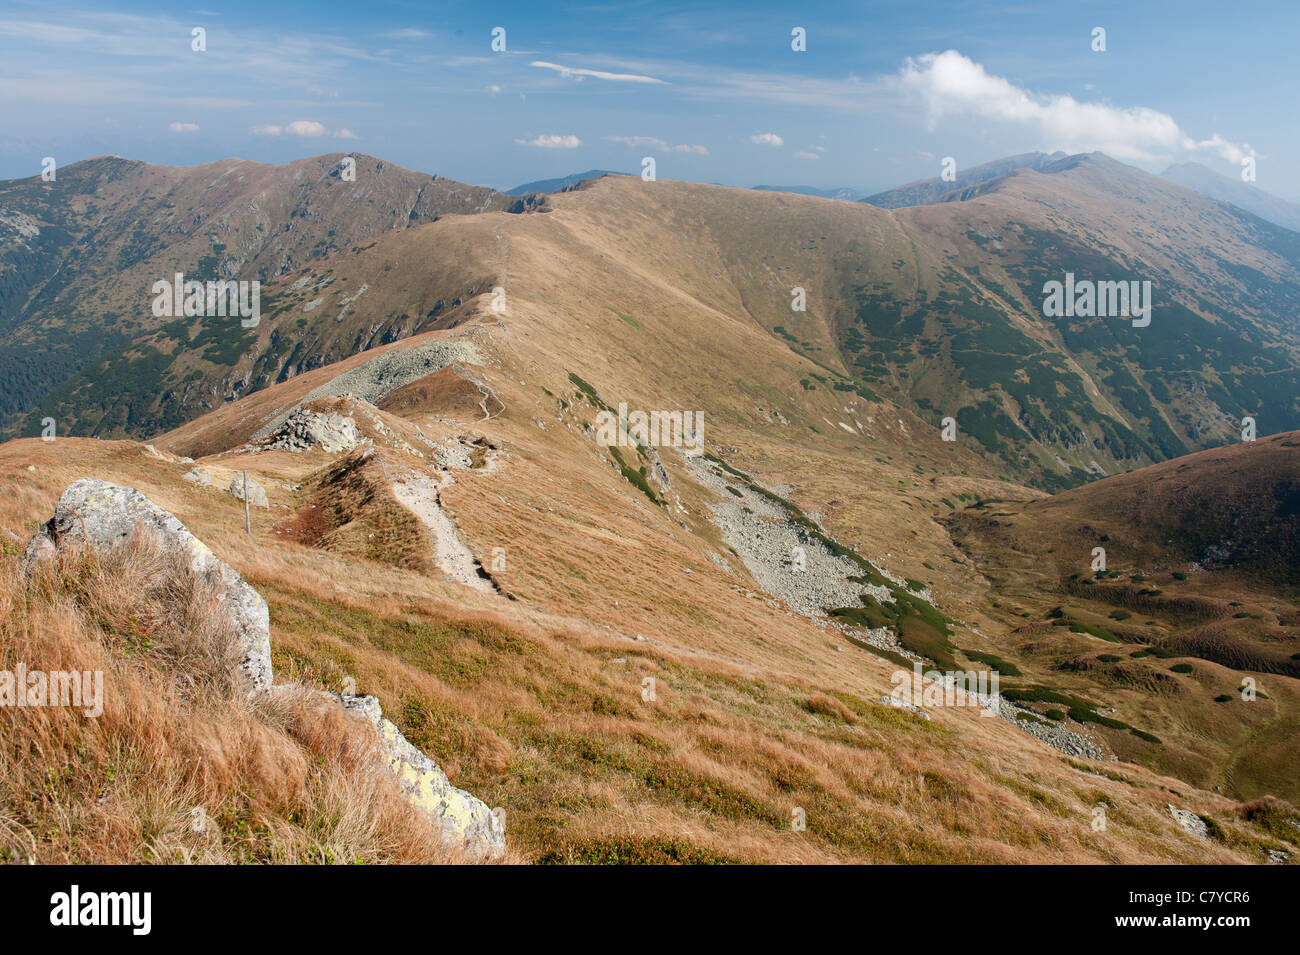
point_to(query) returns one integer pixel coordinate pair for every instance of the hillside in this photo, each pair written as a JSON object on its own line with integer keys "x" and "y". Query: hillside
{"x": 1195, "y": 599}
{"x": 79, "y": 255}
{"x": 935, "y": 309}
{"x": 532, "y": 691}
{"x": 559, "y": 183}
{"x": 965, "y": 184}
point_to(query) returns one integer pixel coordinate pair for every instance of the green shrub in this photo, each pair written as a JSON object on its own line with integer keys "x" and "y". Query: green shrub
{"x": 1149, "y": 737}
{"x": 1003, "y": 667}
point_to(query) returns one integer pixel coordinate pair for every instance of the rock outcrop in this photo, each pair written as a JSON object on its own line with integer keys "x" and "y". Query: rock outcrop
{"x": 200, "y": 476}
{"x": 305, "y": 429}
{"x": 467, "y": 822}
{"x": 256, "y": 493}
{"x": 1189, "y": 821}
{"x": 96, "y": 515}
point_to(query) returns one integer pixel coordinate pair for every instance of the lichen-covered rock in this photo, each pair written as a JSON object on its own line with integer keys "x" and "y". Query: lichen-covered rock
{"x": 97, "y": 515}
{"x": 1189, "y": 821}
{"x": 467, "y": 822}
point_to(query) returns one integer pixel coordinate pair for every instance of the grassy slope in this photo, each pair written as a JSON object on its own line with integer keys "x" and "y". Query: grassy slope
{"x": 527, "y": 704}
{"x": 1232, "y": 621}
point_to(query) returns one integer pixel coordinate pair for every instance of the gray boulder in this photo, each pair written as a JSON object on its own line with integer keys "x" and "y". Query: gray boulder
{"x": 1189, "y": 821}
{"x": 200, "y": 476}
{"x": 256, "y": 493}
{"x": 97, "y": 515}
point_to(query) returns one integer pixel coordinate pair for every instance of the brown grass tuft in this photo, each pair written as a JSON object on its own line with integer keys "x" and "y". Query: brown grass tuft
{"x": 181, "y": 766}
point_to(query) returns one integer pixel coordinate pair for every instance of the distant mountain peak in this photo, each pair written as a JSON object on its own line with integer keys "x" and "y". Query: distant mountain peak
{"x": 1243, "y": 195}
{"x": 976, "y": 179}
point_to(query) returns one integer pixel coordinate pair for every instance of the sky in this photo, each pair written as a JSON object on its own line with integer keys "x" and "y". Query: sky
{"x": 715, "y": 92}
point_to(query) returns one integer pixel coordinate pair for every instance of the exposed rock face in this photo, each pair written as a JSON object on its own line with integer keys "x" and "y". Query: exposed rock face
{"x": 467, "y": 822}
{"x": 304, "y": 430}
{"x": 97, "y": 515}
{"x": 383, "y": 374}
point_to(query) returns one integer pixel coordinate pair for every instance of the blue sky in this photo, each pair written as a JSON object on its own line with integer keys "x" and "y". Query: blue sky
{"x": 714, "y": 93}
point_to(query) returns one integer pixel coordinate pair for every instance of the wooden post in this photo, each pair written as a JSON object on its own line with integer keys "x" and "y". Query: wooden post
{"x": 248, "y": 516}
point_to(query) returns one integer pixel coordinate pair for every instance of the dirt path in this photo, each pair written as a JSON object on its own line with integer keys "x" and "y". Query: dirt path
{"x": 419, "y": 493}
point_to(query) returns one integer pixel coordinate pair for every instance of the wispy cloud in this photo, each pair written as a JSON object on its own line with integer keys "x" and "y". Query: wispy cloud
{"x": 767, "y": 139}
{"x": 576, "y": 72}
{"x": 653, "y": 142}
{"x": 552, "y": 142}
{"x": 183, "y": 127}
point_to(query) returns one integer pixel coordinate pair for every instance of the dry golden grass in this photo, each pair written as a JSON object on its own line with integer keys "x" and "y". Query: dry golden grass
{"x": 181, "y": 766}
{"x": 527, "y": 705}
{"x": 1226, "y": 623}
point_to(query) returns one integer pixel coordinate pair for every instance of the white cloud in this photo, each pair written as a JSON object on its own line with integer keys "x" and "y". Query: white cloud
{"x": 803, "y": 155}
{"x": 952, "y": 84}
{"x": 305, "y": 127}
{"x": 574, "y": 72}
{"x": 494, "y": 89}
{"x": 410, "y": 33}
{"x": 302, "y": 127}
{"x": 653, "y": 142}
{"x": 552, "y": 142}
{"x": 767, "y": 139}
{"x": 184, "y": 127}
{"x": 643, "y": 142}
